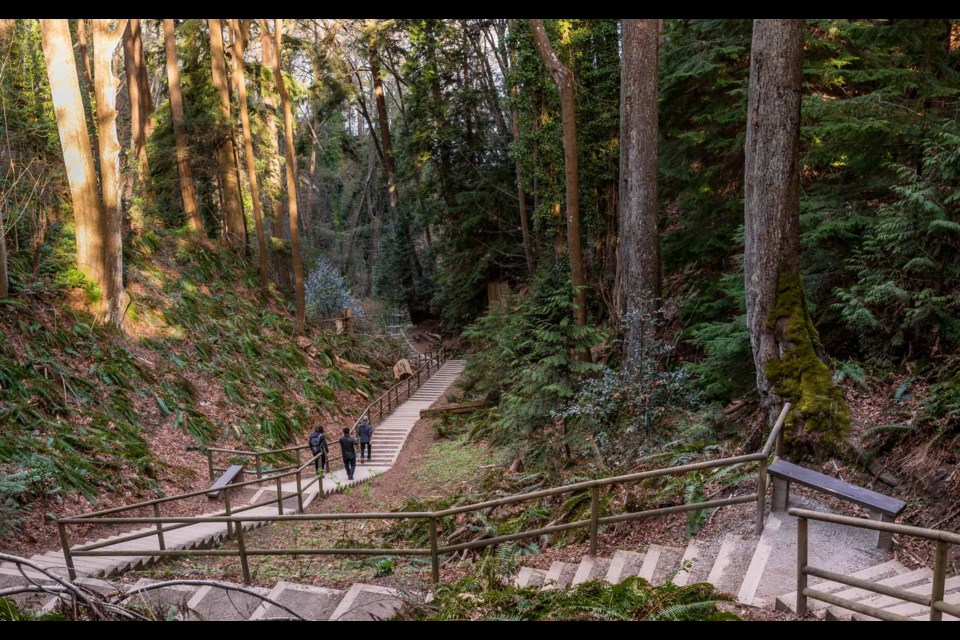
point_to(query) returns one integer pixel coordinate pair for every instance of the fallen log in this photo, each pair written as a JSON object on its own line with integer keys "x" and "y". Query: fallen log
{"x": 403, "y": 369}
{"x": 359, "y": 369}
{"x": 465, "y": 407}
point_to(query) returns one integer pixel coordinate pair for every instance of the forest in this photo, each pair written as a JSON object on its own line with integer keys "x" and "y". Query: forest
{"x": 642, "y": 236}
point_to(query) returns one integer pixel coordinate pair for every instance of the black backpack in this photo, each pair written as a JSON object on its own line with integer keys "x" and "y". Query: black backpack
{"x": 316, "y": 438}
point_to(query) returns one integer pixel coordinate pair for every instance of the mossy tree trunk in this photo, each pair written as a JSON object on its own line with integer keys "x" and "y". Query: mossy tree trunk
{"x": 639, "y": 249}
{"x": 786, "y": 349}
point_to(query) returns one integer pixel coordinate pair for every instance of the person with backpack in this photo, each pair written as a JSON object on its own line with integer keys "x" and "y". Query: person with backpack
{"x": 349, "y": 453}
{"x": 364, "y": 433}
{"x": 318, "y": 445}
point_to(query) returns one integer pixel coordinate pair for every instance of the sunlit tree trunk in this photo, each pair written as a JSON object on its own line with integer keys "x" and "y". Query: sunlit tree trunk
{"x": 639, "y": 250}
{"x": 563, "y": 77}
{"x": 291, "y": 170}
{"x": 141, "y": 105}
{"x": 385, "y": 140}
{"x": 187, "y": 192}
{"x": 77, "y": 150}
{"x": 521, "y": 194}
{"x": 105, "y": 82}
{"x": 248, "y": 150}
{"x": 233, "y": 222}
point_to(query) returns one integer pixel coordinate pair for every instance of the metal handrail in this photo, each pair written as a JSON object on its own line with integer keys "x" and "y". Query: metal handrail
{"x": 432, "y": 360}
{"x": 236, "y": 522}
{"x": 935, "y": 601}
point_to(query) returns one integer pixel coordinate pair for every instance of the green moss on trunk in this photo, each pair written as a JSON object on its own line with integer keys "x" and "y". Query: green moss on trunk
{"x": 800, "y": 376}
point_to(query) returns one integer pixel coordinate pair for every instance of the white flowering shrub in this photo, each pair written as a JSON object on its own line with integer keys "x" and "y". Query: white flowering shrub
{"x": 327, "y": 291}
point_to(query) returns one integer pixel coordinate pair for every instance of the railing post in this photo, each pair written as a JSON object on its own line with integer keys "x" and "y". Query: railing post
{"x": 801, "y": 566}
{"x": 259, "y": 468}
{"x": 67, "y": 556}
{"x": 939, "y": 576}
{"x": 297, "y": 451}
{"x": 210, "y": 463}
{"x": 156, "y": 514}
{"x": 761, "y": 494}
{"x": 434, "y": 554}
{"x": 242, "y": 547}
{"x": 299, "y": 490}
{"x": 279, "y": 497}
{"x": 594, "y": 518}
{"x": 227, "y": 510}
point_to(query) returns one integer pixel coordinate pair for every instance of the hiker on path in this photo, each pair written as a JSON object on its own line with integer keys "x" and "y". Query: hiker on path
{"x": 318, "y": 445}
{"x": 364, "y": 433}
{"x": 347, "y": 444}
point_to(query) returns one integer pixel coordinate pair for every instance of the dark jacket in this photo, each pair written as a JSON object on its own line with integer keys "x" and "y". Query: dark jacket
{"x": 364, "y": 432}
{"x": 347, "y": 448}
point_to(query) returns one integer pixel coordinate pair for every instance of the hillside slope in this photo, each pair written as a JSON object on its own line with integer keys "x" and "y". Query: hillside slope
{"x": 92, "y": 417}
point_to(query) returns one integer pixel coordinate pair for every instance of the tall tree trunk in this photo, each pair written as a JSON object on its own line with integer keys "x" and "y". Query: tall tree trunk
{"x": 105, "y": 42}
{"x": 77, "y": 150}
{"x": 291, "y": 170}
{"x": 278, "y": 229}
{"x": 521, "y": 195}
{"x": 187, "y": 191}
{"x": 233, "y": 222}
{"x": 384, "y": 122}
{"x": 639, "y": 298}
{"x": 141, "y": 105}
{"x": 248, "y": 150}
{"x": 563, "y": 77}
{"x": 784, "y": 341}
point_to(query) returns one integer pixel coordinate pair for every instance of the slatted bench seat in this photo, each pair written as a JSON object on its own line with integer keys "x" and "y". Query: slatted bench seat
{"x": 880, "y": 507}
{"x": 234, "y": 473}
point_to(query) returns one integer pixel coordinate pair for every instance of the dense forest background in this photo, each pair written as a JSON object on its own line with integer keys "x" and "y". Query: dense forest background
{"x": 428, "y": 178}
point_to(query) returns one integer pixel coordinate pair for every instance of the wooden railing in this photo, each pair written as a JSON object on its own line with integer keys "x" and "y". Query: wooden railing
{"x": 429, "y": 362}
{"x": 935, "y": 601}
{"x": 426, "y": 365}
{"x": 235, "y": 522}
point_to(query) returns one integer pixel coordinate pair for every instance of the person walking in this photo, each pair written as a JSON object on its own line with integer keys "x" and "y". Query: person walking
{"x": 349, "y": 453}
{"x": 318, "y": 445}
{"x": 365, "y": 433}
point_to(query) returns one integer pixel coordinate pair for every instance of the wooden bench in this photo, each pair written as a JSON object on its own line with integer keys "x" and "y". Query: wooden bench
{"x": 234, "y": 473}
{"x": 880, "y": 507}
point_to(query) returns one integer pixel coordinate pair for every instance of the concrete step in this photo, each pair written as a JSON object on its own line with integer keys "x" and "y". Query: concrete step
{"x": 368, "y": 602}
{"x": 731, "y": 563}
{"x": 214, "y": 603}
{"x": 310, "y": 602}
{"x": 623, "y": 565}
{"x": 591, "y": 568}
{"x": 650, "y": 560}
{"x": 902, "y": 580}
{"x": 788, "y": 601}
{"x": 560, "y": 575}
{"x": 908, "y": 609}
{"x": 685, "y": 568}
{"x": 529, "y": 577}
{"x": 668, "y": 566}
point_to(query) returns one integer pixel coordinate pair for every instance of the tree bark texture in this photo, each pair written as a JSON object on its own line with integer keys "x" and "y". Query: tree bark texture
{"x": 105, "y": 82}
{"x": 785, "y": 344}
{"x": 187, "y": 190}
{"x": 639, "y": 243}
{"x": 278, "y": 225}
{"x": 233, "y": 222}
{"x": 291, "y": 170}
{"x": 248, "y": 152}
{"x": 563, "y": 78}
{"x": 76, "y": 145}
